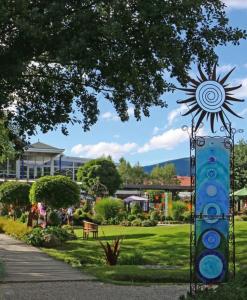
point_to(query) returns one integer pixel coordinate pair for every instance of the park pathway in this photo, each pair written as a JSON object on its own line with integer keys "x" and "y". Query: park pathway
{"x": 33, "y": 275}
{"x": 24, "y": 263}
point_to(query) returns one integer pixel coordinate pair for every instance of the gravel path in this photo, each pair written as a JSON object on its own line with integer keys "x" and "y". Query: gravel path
{"x": 88, "y": 291}
{"x": 33, "y": 275}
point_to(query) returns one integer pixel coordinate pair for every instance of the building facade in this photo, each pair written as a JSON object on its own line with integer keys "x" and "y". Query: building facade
{"x": 40, "y": 160}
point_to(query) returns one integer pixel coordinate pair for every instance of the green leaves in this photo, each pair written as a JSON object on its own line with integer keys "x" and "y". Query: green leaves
{"x": 99, "y": 176}
{"x": 55, "y": 191}
{"x": 57, "y": 57}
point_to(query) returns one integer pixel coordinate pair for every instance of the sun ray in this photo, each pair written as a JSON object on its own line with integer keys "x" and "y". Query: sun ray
{"x": 233, "y": 88}
{"x": 199, "y": 121}
{"x": 212, "y": 117}
{"x": 234, "y": 99}
{"x": 224, "y": 79}
{"x": 187, "y": 100}
{"x": 213, "y": 77}
{"x": 231, "y": 111}
{"x": 191, "y": 110}
{"x": 204, "y": 78}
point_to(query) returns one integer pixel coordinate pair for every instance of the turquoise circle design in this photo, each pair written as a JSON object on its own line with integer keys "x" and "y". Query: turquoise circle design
{"x": 211, "y": 239}
{"x": 211, "y": 209}
{"x": 211, "y": 267}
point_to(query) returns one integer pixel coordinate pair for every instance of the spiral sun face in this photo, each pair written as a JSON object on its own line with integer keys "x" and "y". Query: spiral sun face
{"x": 210, "y": 97}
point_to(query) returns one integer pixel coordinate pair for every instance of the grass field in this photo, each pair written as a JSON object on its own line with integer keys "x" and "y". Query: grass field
{"x": 148, "y": 254}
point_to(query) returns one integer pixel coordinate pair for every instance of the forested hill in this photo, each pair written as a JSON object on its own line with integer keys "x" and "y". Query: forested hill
{"x": 182, "y": 166}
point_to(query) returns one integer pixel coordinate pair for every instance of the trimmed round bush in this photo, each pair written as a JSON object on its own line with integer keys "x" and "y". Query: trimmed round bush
{"x": 15, "y": 193}
{"x": 55, "y": 191}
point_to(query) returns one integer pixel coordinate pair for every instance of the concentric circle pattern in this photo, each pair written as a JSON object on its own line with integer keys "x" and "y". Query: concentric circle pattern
{"x": 211, "y": 212}
{"x": 211, "y": 190}
{"x": 212, "y": 173}
{"x": 210, "y": 267}
{"x": 211, "y": 239}
{"x": 210, "y": 96}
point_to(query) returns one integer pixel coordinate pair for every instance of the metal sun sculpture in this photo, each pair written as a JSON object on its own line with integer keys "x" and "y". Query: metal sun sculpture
{"x": 210, "y": 97}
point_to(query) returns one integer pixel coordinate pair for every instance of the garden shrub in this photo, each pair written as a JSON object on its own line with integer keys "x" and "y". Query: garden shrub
{"x": 125, "y": 223}
{"x": 80, "y": 215}
{"x": 178, "y": 209}
{"x": 136, "y": 222}
{"x": 186, "y": 217}
{"x": 155, "y": 216}
{"x": 149, "y": 223}
{"x": 97, "y": 219}
{"x": 108, "y": 208}
{"x": 233, "y": 290}
{"x": 238, "y": 218}
{"x": 131, "y": 218}
{"x": 4, "y": 211}
{"x": 53, "y": 219}
{"x": 49, "y": 237}
{"x": 23, "y": 217}
{"x": 13, "y": 228}
{"x": 55, "y": 191}
{"x": 15, "y": 193}
{"x": 244, "y": 217}
{"x": 69, "y": 229}
{"x": 135, "y": 258}
{"x": 136, "y": 209}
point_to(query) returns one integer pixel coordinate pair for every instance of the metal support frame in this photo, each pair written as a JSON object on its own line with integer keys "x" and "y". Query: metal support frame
{"x": 229, "y": 136}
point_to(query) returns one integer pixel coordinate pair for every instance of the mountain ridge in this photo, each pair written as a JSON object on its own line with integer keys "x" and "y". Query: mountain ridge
{"x": 182, "y": 166}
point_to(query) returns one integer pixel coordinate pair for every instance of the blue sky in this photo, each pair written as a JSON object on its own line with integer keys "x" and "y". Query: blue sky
{"x": 159, "y": 137}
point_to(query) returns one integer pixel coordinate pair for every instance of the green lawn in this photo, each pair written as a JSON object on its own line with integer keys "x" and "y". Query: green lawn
{"x": 167, "y": 247}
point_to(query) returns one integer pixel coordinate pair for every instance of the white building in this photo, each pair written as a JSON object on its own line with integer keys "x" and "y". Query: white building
{"x": 39, "y": 160}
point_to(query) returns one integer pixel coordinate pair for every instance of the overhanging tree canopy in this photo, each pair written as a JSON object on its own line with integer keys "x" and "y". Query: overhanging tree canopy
{"x": 57, "y": 56}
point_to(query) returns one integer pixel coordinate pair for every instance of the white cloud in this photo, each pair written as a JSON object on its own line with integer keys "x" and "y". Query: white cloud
{"x": 238, "y": 4}
{"x": 167, "y": 140}
{"x": 172, "y": 116}
{"x": 156, "y": 130}
{"x": 131, "y": 111}
{"x": 109, "y": 116}
{"x": 116, "y": 136}
{"x": 242, "y": 92}
{"x": 115, "y": 150}
{"x": 225, "y": 68}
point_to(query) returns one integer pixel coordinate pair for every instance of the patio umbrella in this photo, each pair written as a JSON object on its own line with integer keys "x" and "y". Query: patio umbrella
{"x": 241, "y": 193}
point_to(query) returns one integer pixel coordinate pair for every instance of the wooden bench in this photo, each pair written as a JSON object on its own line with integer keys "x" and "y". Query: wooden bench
{"x": 90, "y": 227}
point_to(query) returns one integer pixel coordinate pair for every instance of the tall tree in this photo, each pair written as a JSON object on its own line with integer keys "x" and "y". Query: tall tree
{"x": 164, "y": 174}
{"x": 125, "y": 171}
{"x": 98, "y": 173}
{"x": 240, "y": 165}
{"x": 138, "y": 174}
{"x": 57, "y": 56}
